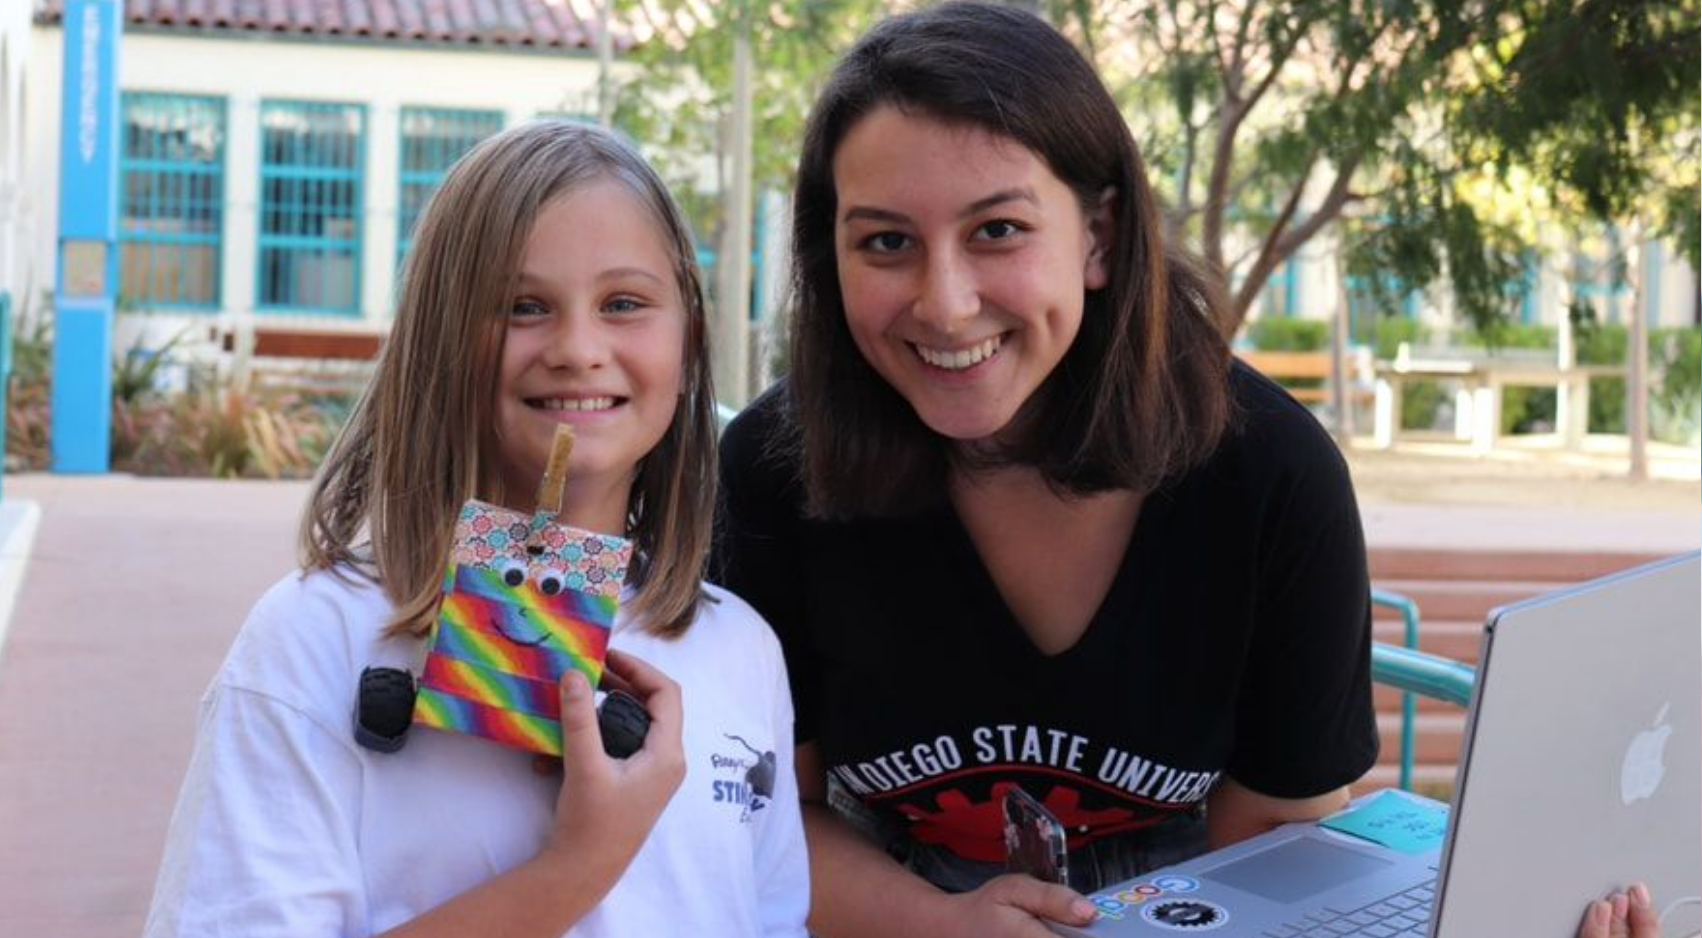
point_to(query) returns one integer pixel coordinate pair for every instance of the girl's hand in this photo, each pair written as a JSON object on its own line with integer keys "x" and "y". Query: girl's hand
{"x": 1018, "y": 906}
{"x": 608, "y": 806}
{"x": 1629, "y": 914}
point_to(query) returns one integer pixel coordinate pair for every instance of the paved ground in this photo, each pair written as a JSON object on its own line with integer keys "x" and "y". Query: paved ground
{"x": 134, "y": 588}
{"x": 1430, "y": 496}
{"x": 133, "y": 591}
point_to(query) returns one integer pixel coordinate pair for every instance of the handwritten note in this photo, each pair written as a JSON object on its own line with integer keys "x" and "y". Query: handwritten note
{"x": 1400, "y": 823}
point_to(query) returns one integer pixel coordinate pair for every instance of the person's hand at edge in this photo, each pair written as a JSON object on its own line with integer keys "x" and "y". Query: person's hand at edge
{"x": 1629, "y": 914}
{"x": 1016, "y": 906}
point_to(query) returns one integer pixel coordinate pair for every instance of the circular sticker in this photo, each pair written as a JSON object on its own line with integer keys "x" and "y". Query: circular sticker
{"x": 1186, "y": 914}
{"x": 1172, "y": 882}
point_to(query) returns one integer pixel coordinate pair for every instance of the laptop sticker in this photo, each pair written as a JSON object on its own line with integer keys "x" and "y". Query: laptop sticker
{"x": 1394, "y": 821}
{"x": 1186, "y": 914}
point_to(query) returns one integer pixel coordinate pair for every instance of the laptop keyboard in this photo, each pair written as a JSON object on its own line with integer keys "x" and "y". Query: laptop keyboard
{"x": 1403, "y": 915}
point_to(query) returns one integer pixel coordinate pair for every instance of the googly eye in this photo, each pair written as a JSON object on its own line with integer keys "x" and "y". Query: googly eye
{"x": 513, "y": 571}
{"x": 550, "y": 583}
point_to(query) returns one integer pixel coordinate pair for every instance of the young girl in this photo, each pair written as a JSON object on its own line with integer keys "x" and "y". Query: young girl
{"x": 550, "y": 283}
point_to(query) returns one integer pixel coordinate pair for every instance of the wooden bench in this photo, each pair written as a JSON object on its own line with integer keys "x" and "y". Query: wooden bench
{"x": 313, "y": 344}
{"x": 1286, "y": 368}
{"x": 305, "y": 358}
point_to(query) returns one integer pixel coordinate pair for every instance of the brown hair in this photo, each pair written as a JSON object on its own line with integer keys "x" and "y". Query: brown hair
{"x": 1143, "y": 391}
{"x": 421, "y": 440}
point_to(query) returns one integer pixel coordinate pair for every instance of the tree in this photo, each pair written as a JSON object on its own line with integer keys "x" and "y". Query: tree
{"x": 1601, "y": 99}
{"x": 1422, "y": 134}
{"x": 680, "y": 103}
{"x": 1269, "y": 122}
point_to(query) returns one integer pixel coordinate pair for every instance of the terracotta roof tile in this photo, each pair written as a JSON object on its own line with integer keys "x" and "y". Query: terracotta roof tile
{"x": 547, "y": 24}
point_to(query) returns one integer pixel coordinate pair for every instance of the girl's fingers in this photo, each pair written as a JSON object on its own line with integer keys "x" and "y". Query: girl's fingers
{"x": 659, "y": 694}
{"x": 581, "y": 741}
{"x": 1048, "y": 901}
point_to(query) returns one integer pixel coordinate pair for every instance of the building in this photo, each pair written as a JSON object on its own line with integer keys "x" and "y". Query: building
{"x": 15, "y": 35}
{"x": 1593, "y": 272}
{"x": 275, "y": 156}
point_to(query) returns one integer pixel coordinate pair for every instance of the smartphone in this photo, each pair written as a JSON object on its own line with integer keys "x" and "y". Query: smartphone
{"x": 1034, "y": 839}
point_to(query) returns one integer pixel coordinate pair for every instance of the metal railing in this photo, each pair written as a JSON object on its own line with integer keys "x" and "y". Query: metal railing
{"x": 1409, "y": 640}
{"x": 1411, "y": 671}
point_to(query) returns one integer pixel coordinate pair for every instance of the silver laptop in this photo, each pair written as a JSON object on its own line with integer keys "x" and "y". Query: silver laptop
{"x": 1581, "y": 772}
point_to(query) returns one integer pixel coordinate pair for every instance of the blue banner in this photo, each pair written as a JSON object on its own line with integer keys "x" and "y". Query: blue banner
{"x": 87, "y": 288}
{"x": 88, "y": 143}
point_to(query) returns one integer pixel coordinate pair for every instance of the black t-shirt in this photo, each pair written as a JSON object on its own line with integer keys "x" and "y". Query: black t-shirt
{"x": 1235, "y": 639}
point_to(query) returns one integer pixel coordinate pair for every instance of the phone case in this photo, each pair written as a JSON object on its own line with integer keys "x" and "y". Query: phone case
{"x": 1034, "y": 839}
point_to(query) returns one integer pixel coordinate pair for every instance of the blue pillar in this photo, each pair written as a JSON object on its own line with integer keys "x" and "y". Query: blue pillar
{"x": 85, "y": 292}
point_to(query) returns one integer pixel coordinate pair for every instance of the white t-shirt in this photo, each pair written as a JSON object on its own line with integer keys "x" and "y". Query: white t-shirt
{"x": 285, "y": 826}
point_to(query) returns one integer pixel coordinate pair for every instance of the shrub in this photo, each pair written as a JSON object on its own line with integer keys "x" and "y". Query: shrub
{"x": 1389, "y": 332}
{"x": 214, "y": 428}
{"x": 1675, "y": 379}
{"x": 1288, "y": 335}
{"x": 29, "y": 399}
{"x": 224, "y": 433}
{"x": 1503, "y": 335}
{"x": 1421, "y": 405}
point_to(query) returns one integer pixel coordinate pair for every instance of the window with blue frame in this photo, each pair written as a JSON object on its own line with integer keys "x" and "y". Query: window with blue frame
{"x": 172, "y": 179}
{"x": 1599, "y": 280}
{"x": 311, "y": 199}
{"x": 1282, "y": 291}
{"x": 432, "y": 140}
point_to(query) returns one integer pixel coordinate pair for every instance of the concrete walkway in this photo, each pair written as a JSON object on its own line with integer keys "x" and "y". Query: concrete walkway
{"x": 135, "y": 587}
{"x": 133, "y": 591}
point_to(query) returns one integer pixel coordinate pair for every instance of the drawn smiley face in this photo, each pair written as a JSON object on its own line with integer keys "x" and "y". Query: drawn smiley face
{"x": 516, "y": 618}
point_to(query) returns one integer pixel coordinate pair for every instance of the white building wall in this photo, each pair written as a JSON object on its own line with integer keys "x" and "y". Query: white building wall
{"x": 1669, "y": 288}
{"x": 15, "y": 36}
{"x": 246, "y": 71}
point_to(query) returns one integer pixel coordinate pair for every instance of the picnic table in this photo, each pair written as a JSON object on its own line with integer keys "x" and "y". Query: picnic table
{"x": 1481, "y": 376}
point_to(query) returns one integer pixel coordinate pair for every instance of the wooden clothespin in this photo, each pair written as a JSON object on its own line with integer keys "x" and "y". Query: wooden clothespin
{"x": 551, "y": 487}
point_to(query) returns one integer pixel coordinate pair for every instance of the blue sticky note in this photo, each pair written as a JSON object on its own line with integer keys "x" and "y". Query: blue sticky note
{"x": 1395, "y": 821}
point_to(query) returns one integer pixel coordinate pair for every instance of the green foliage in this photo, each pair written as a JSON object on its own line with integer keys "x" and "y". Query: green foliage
{"x": 1675, "y": 370}
{"x": 1426, "y": 233}
{"x": 1421, "y": 405}
{"x": 213, "y": 429}
{"x": 1675, "y": 383}
{"x": 1528, "y": 410}
{"x": 29, "y": 400}
{"x": 679, "y": 106}
{"x": 223, "y": 432}
{"x": 1509, "y": 335}
{"x": 1274, "y": 334}
{"x": 1440, "y": 133}
{"x": 1600, "y": 98}
{"x": 136, "y": 372}
{"x": 1432, "y": 129}
{"x": 1388, "y": 333}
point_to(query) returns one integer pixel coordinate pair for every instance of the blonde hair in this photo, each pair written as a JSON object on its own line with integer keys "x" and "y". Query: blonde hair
{"x": 421, "y": 440}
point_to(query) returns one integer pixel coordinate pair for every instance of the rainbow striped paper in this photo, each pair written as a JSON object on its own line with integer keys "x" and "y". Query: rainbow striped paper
{"x": 513, "y": 621}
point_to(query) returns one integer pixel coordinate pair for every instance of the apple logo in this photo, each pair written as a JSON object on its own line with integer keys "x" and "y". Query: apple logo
{"x": 1644, "y": 760}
